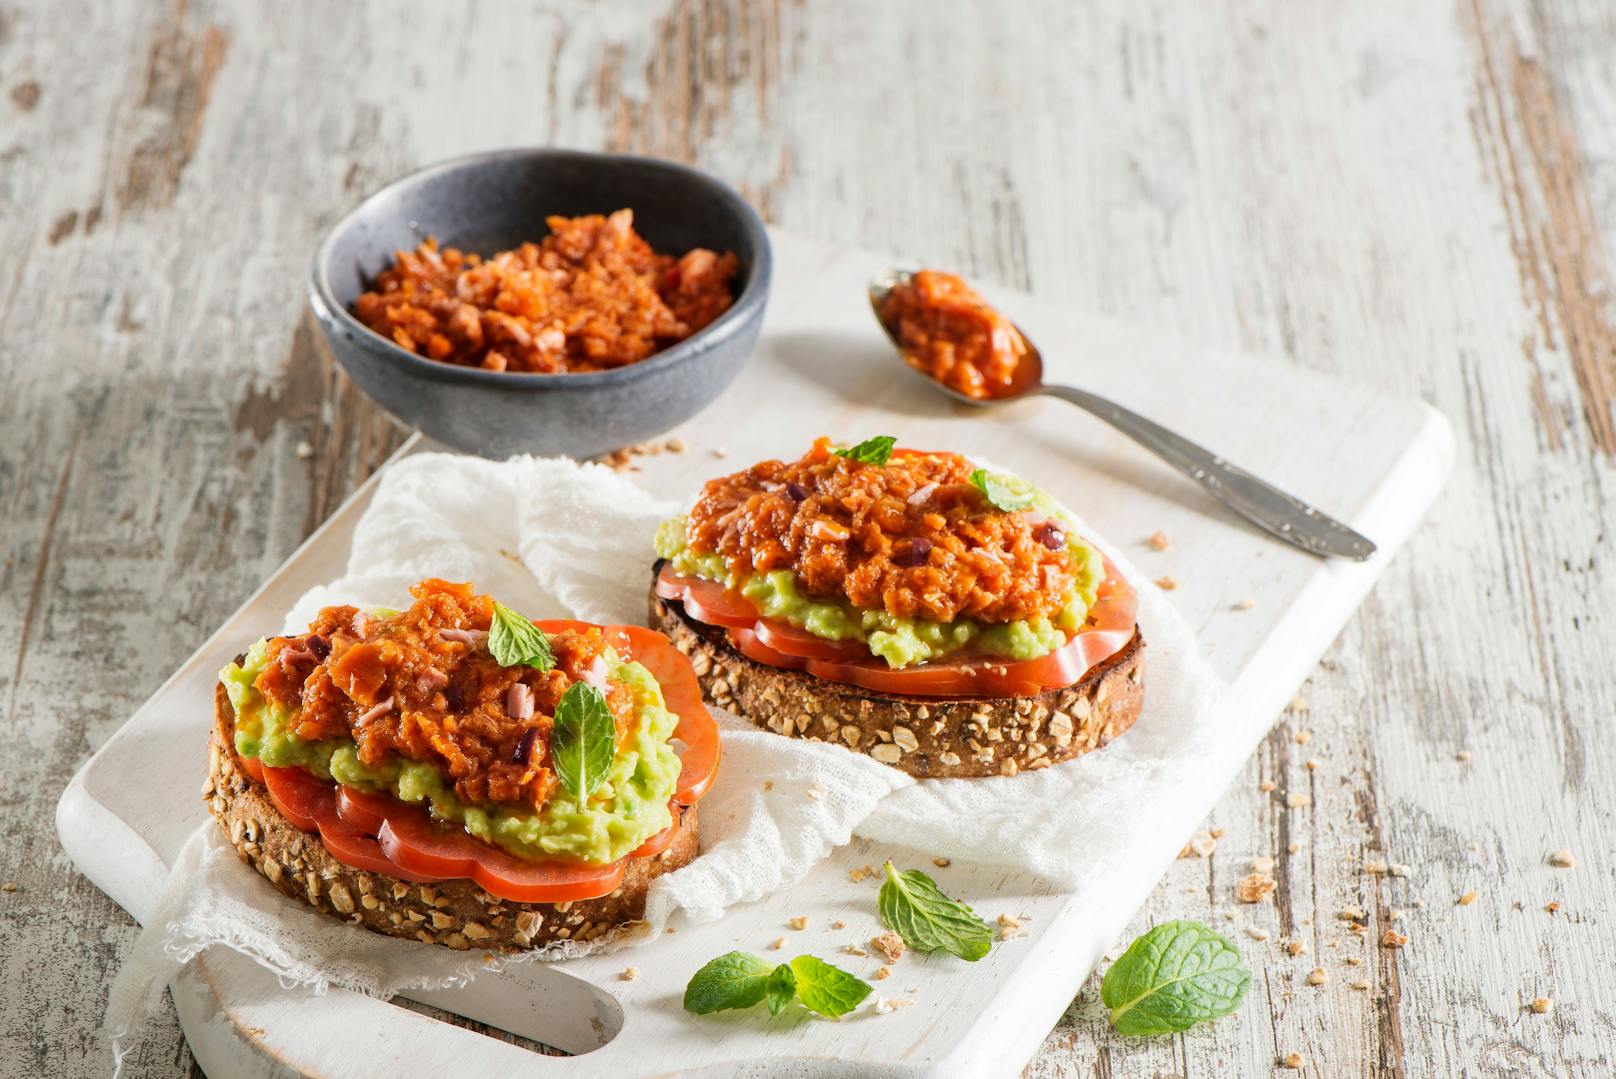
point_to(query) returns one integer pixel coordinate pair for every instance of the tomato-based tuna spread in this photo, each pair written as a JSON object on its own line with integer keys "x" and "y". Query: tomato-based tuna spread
{"x": 948, "y": 331}
{"x": 915, "y": 535}
{"x": 422, "y": 685}
{"x": 591, "y": 295}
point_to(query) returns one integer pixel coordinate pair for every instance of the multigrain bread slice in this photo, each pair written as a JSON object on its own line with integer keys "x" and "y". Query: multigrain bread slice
{"x": 928, "y": 737}
{"x": 454, "y": 913}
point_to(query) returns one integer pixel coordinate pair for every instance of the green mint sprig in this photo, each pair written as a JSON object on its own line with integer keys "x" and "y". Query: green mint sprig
{"x": 872, "y": 451}
{"x": 914, "y": 907}
{"x": 1173, "y": 977}
{"x": 1005, "y": 492}
{"x": 515, "y": 640}
{"x": 583, "y": 741}
{"x": 741, "y": 980}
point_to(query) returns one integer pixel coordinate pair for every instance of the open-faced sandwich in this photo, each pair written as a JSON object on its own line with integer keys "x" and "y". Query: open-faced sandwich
{"x": 457, "y": 774}
{"x": 944, "y": 619}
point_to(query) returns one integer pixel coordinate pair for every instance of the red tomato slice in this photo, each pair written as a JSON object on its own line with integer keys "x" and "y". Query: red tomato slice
{"x": 1108, "y": 628}
{"x": 414, "y": 841}
{"x": 252, "y": 767}
{"x": 793, "y": 640}
{"x": 707, "y": 601}
{"x": 311, "y": 803}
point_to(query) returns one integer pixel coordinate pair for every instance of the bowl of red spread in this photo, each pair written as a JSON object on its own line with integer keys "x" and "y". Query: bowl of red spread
{"x": 544, "y": 301}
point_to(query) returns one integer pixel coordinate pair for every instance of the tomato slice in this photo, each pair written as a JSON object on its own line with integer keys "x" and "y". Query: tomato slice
{"x": 413, "y": 840}
{"x": 311, "y": 803}
{"x": 792, "y": 640}
{"x": 1107, "y": 629}
{"x": 252, "y": 767}
{"x": 707, "y": 601}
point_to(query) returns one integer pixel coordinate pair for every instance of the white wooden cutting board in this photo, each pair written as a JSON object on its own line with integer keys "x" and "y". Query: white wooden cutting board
{"x": 824, "y": 367}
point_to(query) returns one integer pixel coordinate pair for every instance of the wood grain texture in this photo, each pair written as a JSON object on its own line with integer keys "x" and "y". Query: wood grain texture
{"x": 1418, "y": 197}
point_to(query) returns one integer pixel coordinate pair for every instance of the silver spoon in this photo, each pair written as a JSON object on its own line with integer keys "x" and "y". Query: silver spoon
{"x": 1275, "y": 512}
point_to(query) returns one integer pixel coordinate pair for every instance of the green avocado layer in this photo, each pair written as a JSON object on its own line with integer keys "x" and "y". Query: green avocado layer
{"x": 902, "y": 642}
{"x": 628, "y": 808}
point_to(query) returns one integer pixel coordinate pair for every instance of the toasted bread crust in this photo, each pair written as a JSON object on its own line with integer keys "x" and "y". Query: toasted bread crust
{"x": 927, "y": 737}
{"x": 454, "y": 913}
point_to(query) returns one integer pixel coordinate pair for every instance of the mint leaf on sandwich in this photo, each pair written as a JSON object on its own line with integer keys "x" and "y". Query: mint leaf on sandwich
{"x": 1004, "y": 492}
{"x": 516, "y": 641}
{"x": 741, "y": 980}
{"x": 583, "y": 741}
{"x": 1172, "y": 977}
{"x": 828, "y": 990}
{"x": 914, "y": 907}
{"x": 872, "y": 451}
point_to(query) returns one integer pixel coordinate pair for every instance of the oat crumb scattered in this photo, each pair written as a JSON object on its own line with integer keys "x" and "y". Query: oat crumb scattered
{"x": 629, "y": 974}
{"x": 888, "y": 945}
{"x": 1158, "y": 541}
{"x": 1010, "y": 927}
{"x": 1216, "y": 833}
{"x": 1246, "y": 604}
{"x": 1200, "y": 845}
{"x": 1166, "y": 584}
{"x": 1298, "y": 703}
{"x": 856, "y": 875}
{"x": 1542, "y": 1005}
{"x": 1262, "y": 863}
{"x": 1462, "y": 756}
{"x": 1353, "y": 961}
{"x": 883, "y": 974}
{"x": 8, "y": 886}
{"x": 676, "y": 445}
{"x": 941, "y": 863}
{"x": 1293, "y": 1061}
{"x": 1400, "y": 869}
{"x": 1295, "y": 946}
{"x": 1298, "y": 799}
{"x": 799, "y": 922}
{"x": 1360, "y": 985}
{"x": 1267, "y": 786}
{"x": 1393, "y": 939}
{"x": 1293, "y": 847}
{"x": 838, "y": 924}
{"x": 1303, "y": 737}
{"x": 768, "y": 784}
{"x": 1562, "y": 859}
{"x": 1554, "y": 907}
{"x": 1351, "y": 914}
{"x": 1314, "y": 764}
{"x": 1419, "y": 904}
{"x": 1254, "y": 888}
{"x": 673, "y": 929}
{"x": 883, "y": 1006}
{"x": 779, "y": 942}
{"x": 1318, "y": 976}
{"x": 854, "y": 949}
{"x": 720, "y": 451}
{"x": 1255, "y": 933}
{"x": 304, "y": 449}
{"x": 1375, "y": 867}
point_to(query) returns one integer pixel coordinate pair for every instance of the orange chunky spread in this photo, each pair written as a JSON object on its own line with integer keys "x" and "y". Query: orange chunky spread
{"x": 591, "y": 295}
{"x": 913, "y": 536}
{"x": 948, "y": 331}
{"x": 422, "y": 685}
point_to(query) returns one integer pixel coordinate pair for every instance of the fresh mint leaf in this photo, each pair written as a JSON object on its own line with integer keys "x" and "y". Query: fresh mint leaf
{"x": 780, "y": 989}
{"x": 733, "y": 980}
{"x": 825, "y": 989}
{"x": 1172, "y": 977}
{"x": 1005, "y": 492}
{"x": 928, "y": 921}
{"x": 583, "y": 740}
{"x": 516, "y": 640}
{"x": 872, "y": 451}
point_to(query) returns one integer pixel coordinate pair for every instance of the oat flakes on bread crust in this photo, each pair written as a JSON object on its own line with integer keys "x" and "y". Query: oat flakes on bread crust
{"x": 454, "y": 913}
{"x": 926, "y": 737}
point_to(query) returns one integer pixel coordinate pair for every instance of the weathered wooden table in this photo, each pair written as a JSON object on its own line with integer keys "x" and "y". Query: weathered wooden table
{"x": 1414, "y": 196}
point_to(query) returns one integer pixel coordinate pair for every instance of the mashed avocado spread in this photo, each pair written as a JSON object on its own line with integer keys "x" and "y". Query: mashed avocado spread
{"x": 627, "y": 809}
{"x": 900, "y": 641}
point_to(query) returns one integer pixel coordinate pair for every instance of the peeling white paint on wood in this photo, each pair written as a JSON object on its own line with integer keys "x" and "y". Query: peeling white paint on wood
{"x": 1346, "y": 187}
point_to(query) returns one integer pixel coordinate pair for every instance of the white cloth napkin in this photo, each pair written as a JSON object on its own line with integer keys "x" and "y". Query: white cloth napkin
{"x": 550, "y": 536}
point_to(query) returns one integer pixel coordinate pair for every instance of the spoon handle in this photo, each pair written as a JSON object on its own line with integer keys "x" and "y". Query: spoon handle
{"x": 1266, "y": 506}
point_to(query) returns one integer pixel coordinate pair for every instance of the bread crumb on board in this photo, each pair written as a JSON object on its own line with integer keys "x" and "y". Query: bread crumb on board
{"x": 1166, "y": 584}
{"x": 889, "y": 945}
{"x": 1562, "y": 859}
{"x": 1158, "y": 541}
{"x": 1542, "y": 1005}
{"x": 1254, "y": 888}
{"x": 629, "y": 974}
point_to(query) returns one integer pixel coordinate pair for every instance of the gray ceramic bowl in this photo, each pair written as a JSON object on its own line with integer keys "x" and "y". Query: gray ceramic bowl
{"x": 495, "y": 201}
